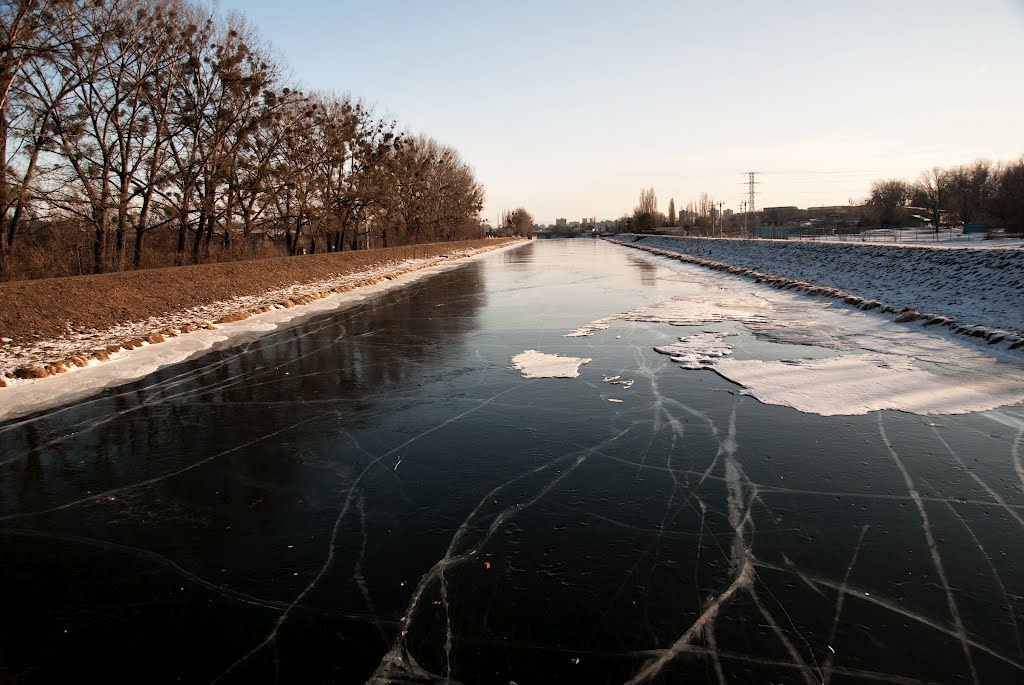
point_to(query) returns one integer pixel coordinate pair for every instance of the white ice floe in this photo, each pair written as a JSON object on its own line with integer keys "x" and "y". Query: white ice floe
{"x": 534, "y": 364}
{"x": 745, "y": 307}
{"x": 862, "y": 383}
{"x": 716, "y": 307}
{"x": 699, "y": 351}
{"x": 588, "y": 329}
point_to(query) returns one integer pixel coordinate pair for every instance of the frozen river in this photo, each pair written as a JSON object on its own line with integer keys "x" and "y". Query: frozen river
{"x": 377, "y": 495}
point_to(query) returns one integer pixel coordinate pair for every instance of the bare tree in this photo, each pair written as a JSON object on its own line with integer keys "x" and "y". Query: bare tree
{"x": 1006, "y": 202}
{"x": 30, "y": 32}
{"x": 887, "y": 200}
{"x": 671, "y": 211}
{"x": 128, "y": 116}
{"x": 104, "y": 131}
{"x": 931, "y": 193}
{"x": 969, "y": 188}
{"x": 516, "y": 222}
{"x": 704, "y": 211}
{"x": 645, "y": 214}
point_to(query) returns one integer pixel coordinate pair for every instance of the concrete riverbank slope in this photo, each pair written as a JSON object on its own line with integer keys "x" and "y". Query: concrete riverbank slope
{"x": 976, "y": 291}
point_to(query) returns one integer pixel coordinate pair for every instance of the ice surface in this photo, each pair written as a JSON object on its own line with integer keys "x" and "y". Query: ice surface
{"x": 345, "y": 485}
{"x": 534, "y": 364}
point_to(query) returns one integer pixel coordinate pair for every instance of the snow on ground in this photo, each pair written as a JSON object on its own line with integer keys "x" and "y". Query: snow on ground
{"x": 534, "y": 364}
{"x": 837, "y": 360}
{"x": 25, "y": 395}
{"x": 944, "y": 239}
{"x": 979, "y": 290}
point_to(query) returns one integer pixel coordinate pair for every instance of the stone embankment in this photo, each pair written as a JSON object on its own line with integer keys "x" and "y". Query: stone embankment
{"x": 971, "y": 291}
{"x": 50, "y": 326}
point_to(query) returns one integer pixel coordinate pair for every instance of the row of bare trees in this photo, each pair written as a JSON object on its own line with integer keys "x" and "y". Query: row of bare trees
{"x": 646, "y": 216}
{"x": 515, "y": 222}
{"x": 981, "y": 192}
{"x": 120, "y": 118}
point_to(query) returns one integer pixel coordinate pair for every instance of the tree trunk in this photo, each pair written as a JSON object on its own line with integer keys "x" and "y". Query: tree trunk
{"x": 99, "y": 241}
{"x": 228, "y": 213}
{"x": 295, "y": 239}
{"x": 140, "y": 232}
{"x": 22, "y": 200}
{"x": 247, "y": 222}
{"x": 120, "y": 232}
{"x": 211, "y": 222}
{"x": 140, "y": 226}
{"x": 6, "y": 236}
{"x": 179, "y": 256}
{"x": 197, "y": 241}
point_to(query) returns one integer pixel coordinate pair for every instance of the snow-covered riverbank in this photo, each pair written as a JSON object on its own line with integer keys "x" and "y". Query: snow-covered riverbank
{"x": 976, "y": 292}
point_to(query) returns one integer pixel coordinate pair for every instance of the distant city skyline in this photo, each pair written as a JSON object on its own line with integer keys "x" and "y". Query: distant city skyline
{"x": 569, "y": 109}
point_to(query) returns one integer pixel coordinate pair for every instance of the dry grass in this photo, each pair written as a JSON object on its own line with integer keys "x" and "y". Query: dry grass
{"x": 56, "y": 307}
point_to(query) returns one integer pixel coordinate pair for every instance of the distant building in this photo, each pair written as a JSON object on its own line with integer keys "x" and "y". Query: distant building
{"x": 836, "y": 214}
{"x": 780, "y": 216}
{"x": 559, "y": 223}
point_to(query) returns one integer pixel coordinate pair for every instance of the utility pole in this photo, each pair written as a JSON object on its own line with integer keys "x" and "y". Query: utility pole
{"x": 721, "y": 226}
{"x": 743, "y": 208}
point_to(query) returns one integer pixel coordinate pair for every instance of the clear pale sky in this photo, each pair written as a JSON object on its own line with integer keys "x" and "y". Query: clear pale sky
{"x": 570, "y": 108}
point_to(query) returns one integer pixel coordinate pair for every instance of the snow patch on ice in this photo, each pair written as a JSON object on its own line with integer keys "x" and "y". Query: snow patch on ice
{"x": 699, "y": 351}
{"x": 534, "y": 364}
{"x": 588, "y": 329}
{"x": 696, "y": 311}
{"x": 861, "y": 383}
{"x": 743, "y": 307}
